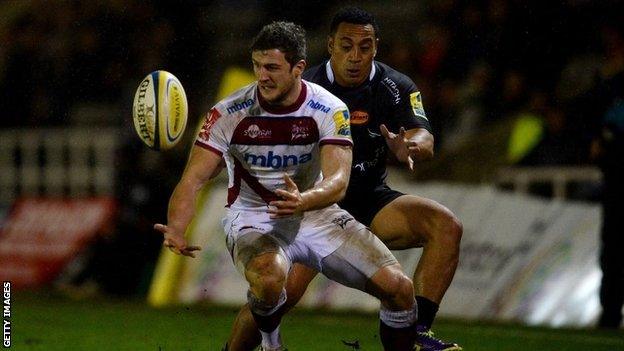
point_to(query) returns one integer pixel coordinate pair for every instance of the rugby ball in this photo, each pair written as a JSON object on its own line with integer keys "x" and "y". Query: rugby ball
{"x": 160, "y": 110}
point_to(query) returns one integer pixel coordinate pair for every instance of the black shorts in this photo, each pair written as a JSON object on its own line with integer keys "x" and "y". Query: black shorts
{"x": 364, "y": 205}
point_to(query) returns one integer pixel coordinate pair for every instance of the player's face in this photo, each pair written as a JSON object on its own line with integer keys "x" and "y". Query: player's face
{"x": 278, "y": 82}
{"x": 352, "y": 49}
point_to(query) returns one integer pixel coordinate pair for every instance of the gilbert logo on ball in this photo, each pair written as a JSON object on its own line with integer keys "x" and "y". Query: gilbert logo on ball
{"x": 160, "y": 110}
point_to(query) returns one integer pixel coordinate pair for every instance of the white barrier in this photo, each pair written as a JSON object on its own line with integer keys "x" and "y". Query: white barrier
{"x": 522, "y": 259}
{"x": 57, "y": 162}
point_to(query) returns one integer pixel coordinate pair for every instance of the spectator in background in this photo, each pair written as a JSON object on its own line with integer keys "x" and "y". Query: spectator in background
{"x": 512, "y": 95}
{"x": 557, "y": 146}
{"x": 466, "y": 120}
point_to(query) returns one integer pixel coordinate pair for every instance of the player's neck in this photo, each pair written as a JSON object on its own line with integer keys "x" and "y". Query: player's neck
{"x": 292, "y": 96}
{"x": 290, "y": 103}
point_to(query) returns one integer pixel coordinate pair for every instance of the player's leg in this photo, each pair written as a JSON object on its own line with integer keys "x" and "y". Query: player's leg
{"x": 363, "y": 262}
{"x": 245, "y": 335}
{"x": 411, "y": 221}
{"x": 612, "y": 265}
{"x": 398, "y": 311}
{"x": 265, "y": 267}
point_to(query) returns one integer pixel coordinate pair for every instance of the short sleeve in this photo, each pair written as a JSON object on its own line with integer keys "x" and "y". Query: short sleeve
{"x": 410, "y": 111}
{"x": 212, "y": 135}
{"x": 335, "y": 127}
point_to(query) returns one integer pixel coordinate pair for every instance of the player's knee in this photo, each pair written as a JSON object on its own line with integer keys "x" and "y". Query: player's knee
{"x": 266, "y": 275}
{"x": 267, "y": 288}
{"x": 454, "y": 231}
{"x": 398, "y": 290}
{"x": 447, "y": 230}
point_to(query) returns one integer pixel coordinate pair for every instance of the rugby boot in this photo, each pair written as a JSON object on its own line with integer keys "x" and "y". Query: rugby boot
{"x": 426, "y": 341}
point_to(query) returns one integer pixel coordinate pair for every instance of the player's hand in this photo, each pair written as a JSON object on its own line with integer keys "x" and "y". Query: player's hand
{"x": 401, "y": 147}
{"x": 176, "y": 242}
{"x": 292, "y": 200}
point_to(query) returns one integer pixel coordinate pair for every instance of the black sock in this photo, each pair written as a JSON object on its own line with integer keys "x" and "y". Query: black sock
{"x": 396, "y": 339}
{"x": 267, "y": 323}
{"x": 427, "y": 310}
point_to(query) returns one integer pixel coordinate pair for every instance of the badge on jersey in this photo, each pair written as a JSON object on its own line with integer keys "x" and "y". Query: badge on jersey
{"x": 210, "y": 120}
{"x": 417, "y": 105}
{"x": 341, "y": 120}
{"x": 359, "y": 117}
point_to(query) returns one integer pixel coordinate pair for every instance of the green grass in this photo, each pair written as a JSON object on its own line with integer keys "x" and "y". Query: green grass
{"x": 49, "y": 322}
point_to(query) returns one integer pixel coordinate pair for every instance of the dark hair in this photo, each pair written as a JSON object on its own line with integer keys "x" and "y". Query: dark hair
{"x": 353, "y": 15}
{"x": 287, "y": 37}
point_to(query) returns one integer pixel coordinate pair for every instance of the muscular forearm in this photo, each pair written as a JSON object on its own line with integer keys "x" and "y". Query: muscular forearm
{"x": 336, "y": 167}
{"x": 182, "y": 205}
{"x": 202, "y": 166}
{"x": 424, "y": 140}
{"x": 327, "y": 192}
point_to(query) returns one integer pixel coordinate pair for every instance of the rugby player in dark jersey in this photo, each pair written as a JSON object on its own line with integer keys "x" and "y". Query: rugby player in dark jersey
{"x": 387, "y": 115}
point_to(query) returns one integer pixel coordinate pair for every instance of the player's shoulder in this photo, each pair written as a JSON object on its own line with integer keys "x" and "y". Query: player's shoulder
{"x": 392, "y": 78}
{"x": 239, "y": 101}
{"x": 321, "y": 99}
{"x": 315, "y": 74}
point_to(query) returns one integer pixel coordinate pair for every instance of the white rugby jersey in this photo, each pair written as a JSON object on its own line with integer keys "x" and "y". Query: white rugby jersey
{"x": 260, "y": 143}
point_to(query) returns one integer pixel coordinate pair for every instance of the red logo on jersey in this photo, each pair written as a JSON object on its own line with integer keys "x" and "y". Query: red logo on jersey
{"x": 359, "y": 117}
{"x": 211, "y": 119}
{"x": 299, "y": 132}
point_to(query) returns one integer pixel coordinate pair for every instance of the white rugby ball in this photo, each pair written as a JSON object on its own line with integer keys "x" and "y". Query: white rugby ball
{"x": 160, "y": 110}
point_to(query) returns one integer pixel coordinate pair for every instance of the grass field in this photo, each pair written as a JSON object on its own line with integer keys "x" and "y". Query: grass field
{"x": 50, "y": 322}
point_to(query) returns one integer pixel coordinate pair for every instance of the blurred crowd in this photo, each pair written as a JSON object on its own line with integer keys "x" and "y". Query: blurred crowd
{"x": 484, "y": 62}
{"x": 57, "y": 56}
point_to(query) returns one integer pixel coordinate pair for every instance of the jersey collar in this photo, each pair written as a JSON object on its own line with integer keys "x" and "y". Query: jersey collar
{"x": 330, "y": 72}
{"x": 280, "y": 110}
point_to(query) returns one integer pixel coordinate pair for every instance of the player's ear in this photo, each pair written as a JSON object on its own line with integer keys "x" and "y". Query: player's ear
{"x": 299, "y": 67}
{"x": 376, "y": 46}
{"x": 330, "y": 44}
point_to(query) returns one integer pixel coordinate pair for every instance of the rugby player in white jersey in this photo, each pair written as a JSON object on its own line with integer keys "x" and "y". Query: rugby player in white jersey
{"x": 287, "y": 148}
{"x": 381, "y": 99}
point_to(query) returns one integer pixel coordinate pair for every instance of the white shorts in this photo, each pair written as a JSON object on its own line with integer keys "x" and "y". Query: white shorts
{"x": 329, "y": 240}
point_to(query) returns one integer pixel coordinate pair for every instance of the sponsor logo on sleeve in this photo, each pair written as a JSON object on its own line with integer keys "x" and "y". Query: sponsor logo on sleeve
{"x": 211, "y": 119}
{"x": 417, "y": 105}
{"x": 239, "y": 105}
{"x": 318, "y": 106}
{"x": 341, "y": 120}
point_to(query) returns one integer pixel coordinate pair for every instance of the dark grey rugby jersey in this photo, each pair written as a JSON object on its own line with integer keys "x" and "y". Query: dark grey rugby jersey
{"x": 387, "y": 97}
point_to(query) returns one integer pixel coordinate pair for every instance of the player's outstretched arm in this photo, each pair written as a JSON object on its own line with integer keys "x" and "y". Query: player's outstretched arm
{"x": 201, "y": 167}
{"x": 336, "y": 168}
{"x": 409, "y": 146}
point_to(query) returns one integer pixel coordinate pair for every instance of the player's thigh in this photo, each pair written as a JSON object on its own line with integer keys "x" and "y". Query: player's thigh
{"x": 357, "y": 260}
{"x": 409, "y": 221}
